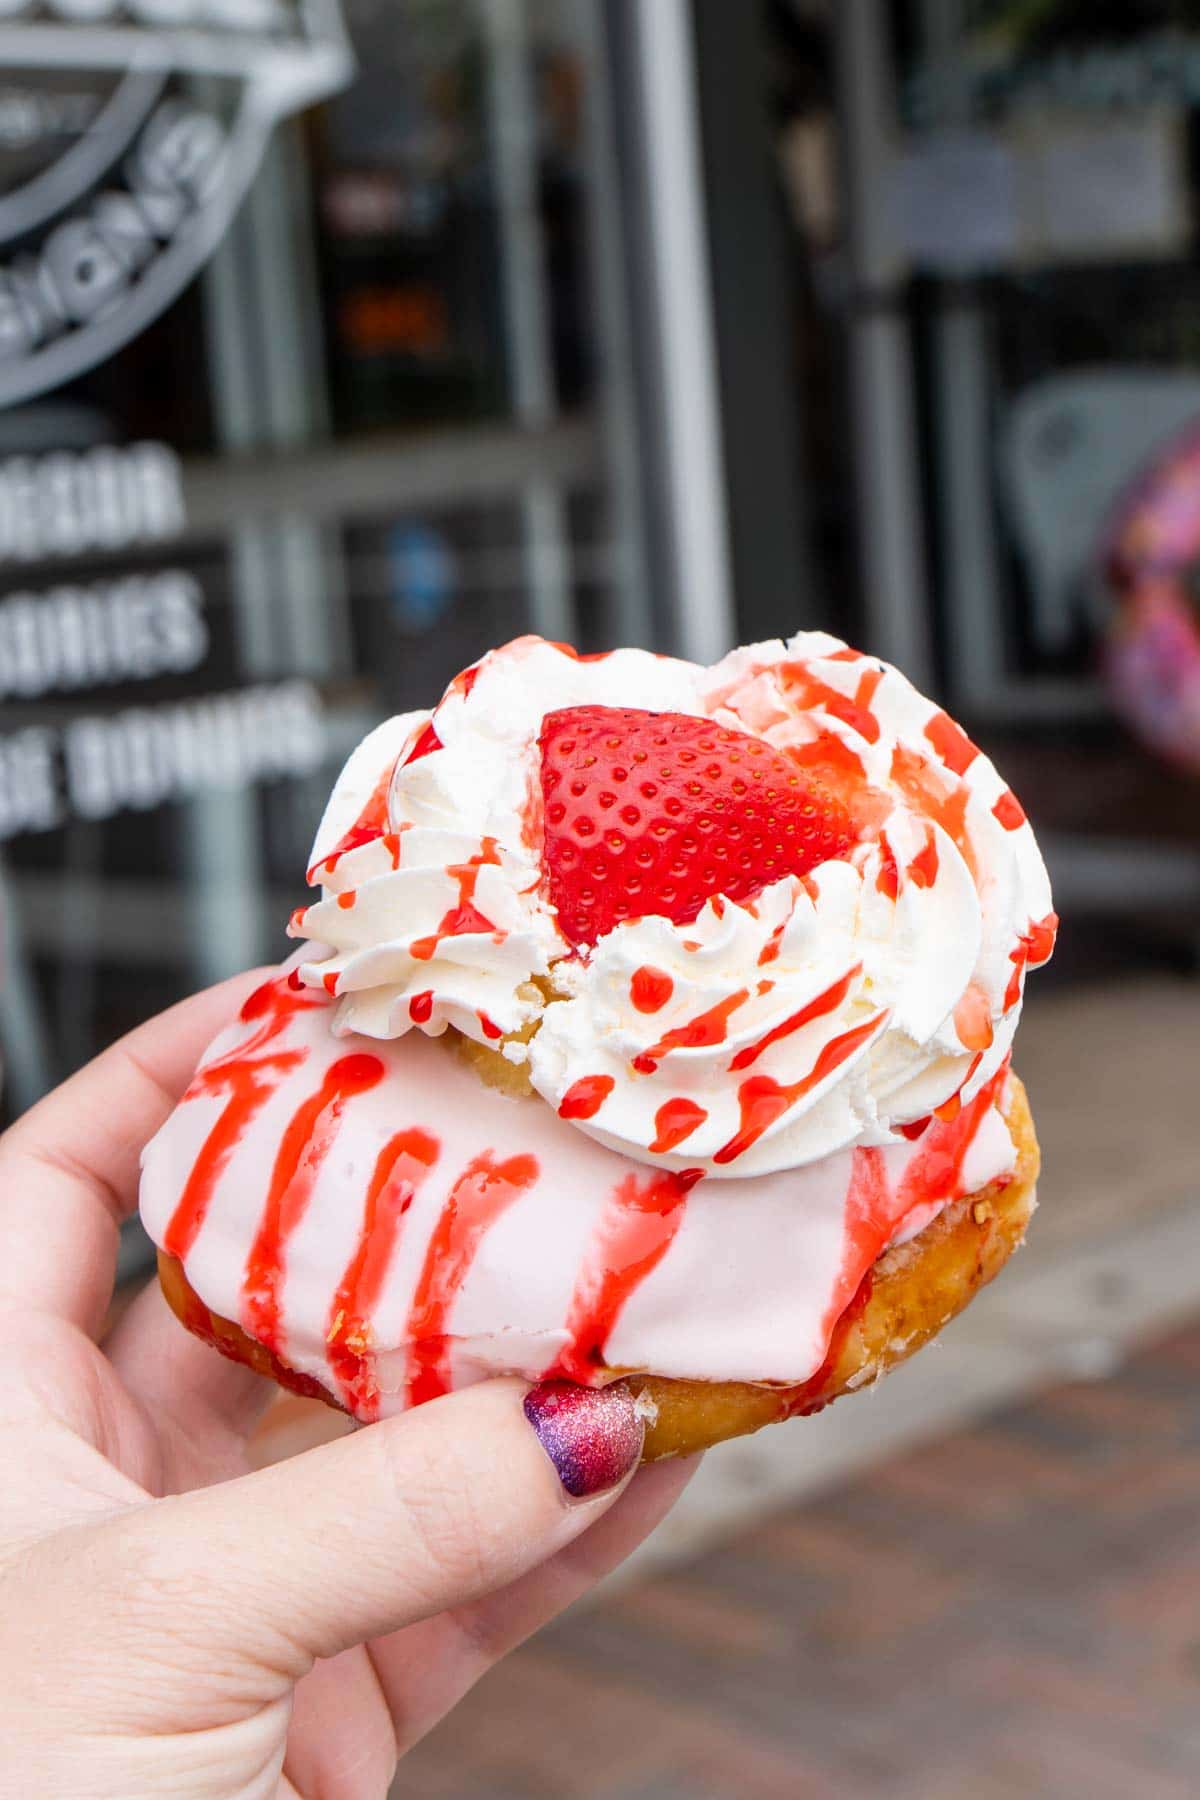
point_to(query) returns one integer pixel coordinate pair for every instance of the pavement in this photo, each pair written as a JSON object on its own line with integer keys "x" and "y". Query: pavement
{"x": 1010, "y": 1612}
{"x": 979, "y": 1582}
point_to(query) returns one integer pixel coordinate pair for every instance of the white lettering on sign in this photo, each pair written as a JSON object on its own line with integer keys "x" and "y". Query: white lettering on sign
{"x": 1160, "y": 68}
{"x": 109, "y": 235}
{"x": 225, "y": 15}
{"x": 130, "y": 629}
{"x": 87, "y": 265}
{"x": 29, "y": 116}
{"x": 73, "y": 504}
{"x": 29, "y": 782}
{"x": 147, "y": 756}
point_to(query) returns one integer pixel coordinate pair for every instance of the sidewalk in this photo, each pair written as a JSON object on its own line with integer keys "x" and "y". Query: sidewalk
{"x": 896, "y": 1601}
{"x": 1011, "y": 1612}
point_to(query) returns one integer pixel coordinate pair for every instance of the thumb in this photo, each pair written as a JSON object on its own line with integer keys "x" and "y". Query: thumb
{"x": 391, "y": 1525}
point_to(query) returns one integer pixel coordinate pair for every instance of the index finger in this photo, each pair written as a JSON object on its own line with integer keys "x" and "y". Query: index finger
{"x": 69, "y": 1167}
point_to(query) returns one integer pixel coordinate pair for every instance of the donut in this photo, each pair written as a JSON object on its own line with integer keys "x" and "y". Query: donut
{"x": 906, "y": 1298}
{"x": 1149, "y": 565}
{"x": 652, "y": 1023}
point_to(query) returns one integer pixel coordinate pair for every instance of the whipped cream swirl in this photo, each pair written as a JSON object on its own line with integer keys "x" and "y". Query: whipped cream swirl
{"x": 839, "y": 1009}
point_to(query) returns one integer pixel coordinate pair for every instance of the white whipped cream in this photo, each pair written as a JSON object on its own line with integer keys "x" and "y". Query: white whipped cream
{"x": 477, "y": 797}
{"x": 827, "y": 1013}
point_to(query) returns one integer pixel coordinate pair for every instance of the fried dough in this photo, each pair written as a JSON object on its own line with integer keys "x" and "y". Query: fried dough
{"x": 913, "y": 1290}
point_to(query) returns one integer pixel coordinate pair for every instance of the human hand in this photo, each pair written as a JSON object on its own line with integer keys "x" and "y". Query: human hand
{"x": 171, "y": 1622}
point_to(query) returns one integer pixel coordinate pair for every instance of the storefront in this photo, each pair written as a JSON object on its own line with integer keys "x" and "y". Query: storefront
{"x": 340, "y": 339}
{"x": 317, "y": 379}
{"x": 1042, "y": 195}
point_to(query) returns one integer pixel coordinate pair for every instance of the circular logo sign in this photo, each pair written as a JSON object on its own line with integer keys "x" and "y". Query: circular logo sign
{"x": 130, "y": 132}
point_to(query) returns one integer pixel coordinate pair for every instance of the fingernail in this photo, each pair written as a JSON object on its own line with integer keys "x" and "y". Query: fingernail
{"x": 593, "y": 1436}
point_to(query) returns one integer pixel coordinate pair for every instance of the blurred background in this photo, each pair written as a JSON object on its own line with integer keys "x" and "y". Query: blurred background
{"x": 343, "y": 339}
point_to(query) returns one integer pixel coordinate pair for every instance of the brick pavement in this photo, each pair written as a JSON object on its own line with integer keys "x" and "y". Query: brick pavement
{"x": 1012, "y": 1612}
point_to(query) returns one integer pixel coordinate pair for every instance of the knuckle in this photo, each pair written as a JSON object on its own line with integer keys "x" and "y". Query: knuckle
{"x": 161, "y": 1603}
{"x": 452, "y": 1550}
{"x": 148, "y": 1587}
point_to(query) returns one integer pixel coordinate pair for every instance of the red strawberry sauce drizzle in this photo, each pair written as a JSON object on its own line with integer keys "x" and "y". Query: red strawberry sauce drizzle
{"x": 915, "y": 1128}
{"x": 869, "y": 1220}
{"x": 813, "y": 1398}
{"x": 922, "y": 871}
{"x": 771, "y": 949}
{"x": 936, "y": 1171}
{"x": 973, "y": 1019}
{"x": 650, "y": 989}
{"x": 463, "y": 683}
{"x": 875, "y": 1212}
{"x": 888, "y": 879}
{"x": 674, "y": 1121}
{"x": 368, "y": 828}
{"x": 635, "y": 1231}
{"x": 819, "y": 1008}
{"x": 401, "y": 1167}
{"x": 1033, "y": 949}
{"x": 464, "y": 919}
{"x": 480, "y": 1197}
{"x": 426, "y": 744}
{"x": 841, "y": 771}
{"x": 307, "y": 1142}
{"x": 701, "y": 1033}
{"x": 932, "y": 794}
{"x": 248, "y": 1076}
{"x": 1040, "y": 940}
{"x": 951, "y": 743}
{"x": 373, "y": 821}
{"x": 762, "y": 1100}
{"x": 584, "y": 1098}
{"x": 807, "y": 693}
{"x": 837, "y": 769}
{"x": 1009, "y": 811}
{"x": 580, "y": 656}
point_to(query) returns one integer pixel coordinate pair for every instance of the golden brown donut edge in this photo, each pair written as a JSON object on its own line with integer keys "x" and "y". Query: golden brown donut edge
{"x": 911, "y": 1292}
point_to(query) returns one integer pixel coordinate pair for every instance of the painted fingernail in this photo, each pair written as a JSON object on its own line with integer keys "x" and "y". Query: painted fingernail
{"x": 593, "y": 1436}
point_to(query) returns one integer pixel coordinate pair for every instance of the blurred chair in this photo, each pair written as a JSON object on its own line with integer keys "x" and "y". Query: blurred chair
{"x": 1068, "y": 448}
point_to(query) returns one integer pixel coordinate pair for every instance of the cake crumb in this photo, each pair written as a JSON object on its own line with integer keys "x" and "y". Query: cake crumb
{"x": 645, "y": 1409}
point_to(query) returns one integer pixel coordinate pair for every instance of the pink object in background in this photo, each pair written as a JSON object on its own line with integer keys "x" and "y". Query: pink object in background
{"x": 1151, "y": 560}
{"x": 1152, "y": 661}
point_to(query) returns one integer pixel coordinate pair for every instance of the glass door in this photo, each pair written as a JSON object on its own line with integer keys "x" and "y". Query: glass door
{"x": 319, "y": 382}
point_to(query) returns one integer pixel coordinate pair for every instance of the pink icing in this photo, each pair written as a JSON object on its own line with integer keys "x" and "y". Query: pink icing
{"x": 430, "y": 1231}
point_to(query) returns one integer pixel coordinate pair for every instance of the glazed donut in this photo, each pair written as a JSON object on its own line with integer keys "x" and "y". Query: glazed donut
{"x": 911, "y": 1292}
{"x": 665, "y": 1041}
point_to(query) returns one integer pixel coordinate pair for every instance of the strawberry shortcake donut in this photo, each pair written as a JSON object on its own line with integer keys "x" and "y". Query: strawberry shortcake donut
{"x": 653, "y": 1022}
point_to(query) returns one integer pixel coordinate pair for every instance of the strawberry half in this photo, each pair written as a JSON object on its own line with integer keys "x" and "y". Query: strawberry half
{"x": 657, "y": 813}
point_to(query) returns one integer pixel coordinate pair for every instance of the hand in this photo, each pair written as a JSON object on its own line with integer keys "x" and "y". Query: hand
{"x": 171, "y": 1622}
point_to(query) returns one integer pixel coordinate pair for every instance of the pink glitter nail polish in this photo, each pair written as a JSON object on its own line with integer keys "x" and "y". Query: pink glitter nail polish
{"x": 593, "y": 1436}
